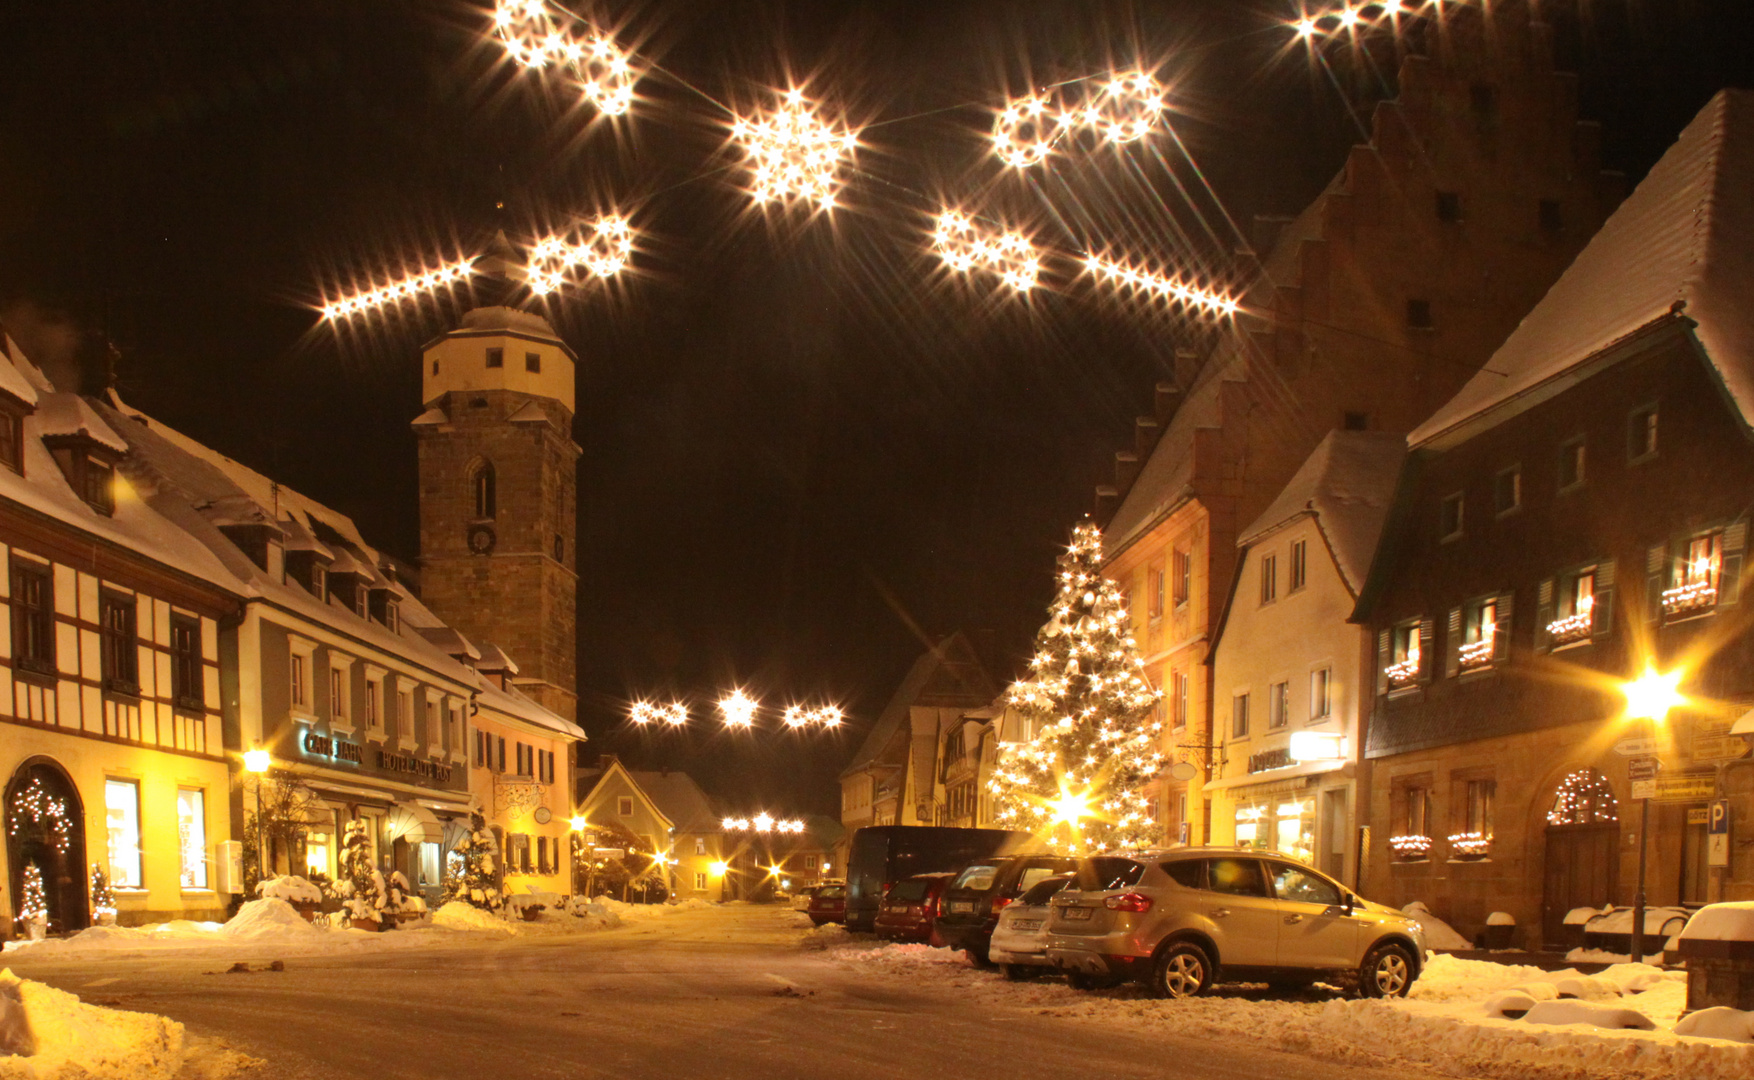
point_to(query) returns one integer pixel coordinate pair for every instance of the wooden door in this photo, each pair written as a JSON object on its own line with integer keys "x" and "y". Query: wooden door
{"x": 1582, "y": 870}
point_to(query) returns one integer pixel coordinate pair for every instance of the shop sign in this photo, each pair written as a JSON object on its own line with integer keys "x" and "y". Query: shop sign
{"x": 403, "y": 763}
{"x": 1685, "y": 787}
{"x": 330, "y": 747}
{"x": 1271, "y": 759}
{"x": 1713, "y": 742}
{"x": 1642, "y": 771}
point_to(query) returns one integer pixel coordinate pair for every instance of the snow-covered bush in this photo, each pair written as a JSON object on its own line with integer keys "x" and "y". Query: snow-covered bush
{"x": 361, "y": 888}
{"x": 473, "y": 868}
{"x": 291, "y": 888}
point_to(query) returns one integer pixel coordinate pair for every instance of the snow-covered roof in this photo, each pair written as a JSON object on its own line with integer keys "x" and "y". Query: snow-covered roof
{"x": 12, "y": 379}
{"x": 494, "y": 658}
{"x": 953, "y": 665}
{"x": 450, "y": 640}
{"x": 69, "y": 414}
{"x": 513, "y": 703}
{"x": 1347, "y": 485}
{"x": 1685, "y": 236}
{"x": 1167, "y": 475}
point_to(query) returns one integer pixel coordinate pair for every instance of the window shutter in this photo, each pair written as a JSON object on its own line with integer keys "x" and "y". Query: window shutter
{"x": 1545, "y": 613}
{"x": 1501, "y": 630}
{"x": 1452, "y": 645}
{"x": 1603, "y": 623}
{"x": 1730, "y": 579}
{"x": 1425, "y": 641}
{"x": 1383, "y": 644}
{"x": 1653, "y": 581}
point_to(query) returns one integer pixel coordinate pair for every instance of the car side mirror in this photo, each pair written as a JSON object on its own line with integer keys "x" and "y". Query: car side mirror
{"x": 1348, "y": 903}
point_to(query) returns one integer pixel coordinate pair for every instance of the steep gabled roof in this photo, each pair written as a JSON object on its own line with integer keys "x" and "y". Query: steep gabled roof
{"x": 1347, "y": 485}
{"x": 949, "y": 675}
{"x": 1683, "y": 242}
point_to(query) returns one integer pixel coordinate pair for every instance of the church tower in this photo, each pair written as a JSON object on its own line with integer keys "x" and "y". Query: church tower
{"x": 498, "y": 491}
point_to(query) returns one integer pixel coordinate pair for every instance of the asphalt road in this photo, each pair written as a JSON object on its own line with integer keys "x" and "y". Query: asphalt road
{"x": 715, "y": 994}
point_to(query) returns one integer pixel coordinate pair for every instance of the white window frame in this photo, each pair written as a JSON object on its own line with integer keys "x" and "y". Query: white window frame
{"x": 341, "y": 693}
{"x": 192, "y": 852}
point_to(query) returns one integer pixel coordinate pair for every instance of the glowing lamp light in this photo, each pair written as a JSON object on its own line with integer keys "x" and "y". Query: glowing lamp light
{"x": 1317, "y": 746}
{"x": 796, "y": 716}
{"x": 1305, "y": 27}
{"x": 578, "y": 823}
{"x": 738, "y": 709}
{"x": 257, "y": 761}
{"x": 718, "y": 868}
{"x": 1653, "y": 694}
{"x": 1024, "y": 132}
{"x": 1160, "y": 287}
{"x": 602, "y": 246}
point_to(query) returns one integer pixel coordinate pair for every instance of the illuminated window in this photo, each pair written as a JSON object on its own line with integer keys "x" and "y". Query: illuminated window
{"x": 122, "y": 812}
{"x": 700, "y": 880}
{"x": 318, "y": 852}
{"x": 192, "y": 836}
{"x": 1479, "y": 643}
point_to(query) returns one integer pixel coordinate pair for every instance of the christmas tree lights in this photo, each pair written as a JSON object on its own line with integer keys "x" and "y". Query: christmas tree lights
{"x": 1078, "y": 781}
{"x": 33, "y": 904}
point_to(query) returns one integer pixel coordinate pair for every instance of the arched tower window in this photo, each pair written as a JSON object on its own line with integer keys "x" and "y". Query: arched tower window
{"x": 485, "y": 490}
{"x": 1584, "y": 798}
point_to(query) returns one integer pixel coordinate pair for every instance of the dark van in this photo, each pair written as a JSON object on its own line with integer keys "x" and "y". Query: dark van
{"x": 882, "y": 855}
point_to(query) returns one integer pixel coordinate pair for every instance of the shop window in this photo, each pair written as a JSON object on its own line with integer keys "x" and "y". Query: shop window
{"x": 1321, "y": 693}
{"x": 1299, "y": 568}
{"x": 1507, "y": 490}
{"x": 1449, "y": 517}
{"x": 1239, "y": 716}
{"x": 121, "y": 645}
{"x": 192, "y": 836}
{"x": 33, "y": 618}
{"x": 318, "y": 853}
{"x": 1641, "y": 434}
{"x": 122, "y": 814}
{"x": 1278, "y": 704}
{"x": 187, "y": 687}
{"x": 1572, "y": 464}
{"x": 1269, "y": 578}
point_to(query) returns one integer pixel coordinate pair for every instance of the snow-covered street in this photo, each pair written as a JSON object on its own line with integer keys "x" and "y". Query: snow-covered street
{"x": 745, "y": 990}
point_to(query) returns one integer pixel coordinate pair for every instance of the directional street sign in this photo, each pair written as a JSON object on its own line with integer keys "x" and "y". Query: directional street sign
{"x": 1643, "y": 773}
{"x": 1637, "y": 747}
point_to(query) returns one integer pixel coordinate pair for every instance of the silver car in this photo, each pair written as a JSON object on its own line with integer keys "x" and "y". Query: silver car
{"x": 1020, "y": 940}
{"x": 1180, "y": 919}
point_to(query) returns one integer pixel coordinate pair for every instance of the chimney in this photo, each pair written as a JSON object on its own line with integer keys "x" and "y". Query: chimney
{"x": 1168, "y": 399}
{"x": 1126, "y": 470}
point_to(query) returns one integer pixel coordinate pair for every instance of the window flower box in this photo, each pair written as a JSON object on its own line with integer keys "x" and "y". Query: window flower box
{"x": 1689, "y": 598}
{"x": 1470, "y": 845}
{"x": 1410, "y": 848}
{"x": 1405, "y": 673}
{"x": 1572, "y": 628}
{"x": 1476, "y": 655}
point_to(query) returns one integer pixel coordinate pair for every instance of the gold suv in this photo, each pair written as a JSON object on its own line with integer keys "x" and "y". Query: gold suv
{"x": 1179, "y": 919}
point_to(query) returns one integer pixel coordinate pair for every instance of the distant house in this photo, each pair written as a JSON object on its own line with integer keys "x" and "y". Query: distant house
{"x": 669, "y": 813}
{"x": 895, "y": 779}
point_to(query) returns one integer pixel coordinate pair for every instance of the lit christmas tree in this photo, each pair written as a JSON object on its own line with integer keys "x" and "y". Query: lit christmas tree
{"x": 472, "y": 873}
{"x": 1078, "y": 782}
{"x": 103, "y": 896}
{"x": 33, "y": 908}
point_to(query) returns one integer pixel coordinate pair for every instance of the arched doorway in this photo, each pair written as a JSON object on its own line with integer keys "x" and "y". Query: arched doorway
{"x": 45, "y": 828}
{"x": 1583, "y": 850}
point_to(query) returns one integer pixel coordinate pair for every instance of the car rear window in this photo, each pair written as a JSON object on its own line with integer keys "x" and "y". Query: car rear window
{"x": 1188, "y": 873}
{"x": 1033, "y": 874}
{"x": 911, "y": 891}
{"x": 1042, "y": 891}
{"x": 978, "y": 877}
{"x": 1108, "y": 872}
{"x": 831, "y": 892}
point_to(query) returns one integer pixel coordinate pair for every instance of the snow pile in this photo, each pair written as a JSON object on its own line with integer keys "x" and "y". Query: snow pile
{"x": 636, "y": 912}
{"x": 76, "y": 1040}
{"x": 1589, "y": 1013}
{"x": 1501, "y": 918}
{"x": 1438, "y": 934}
{"x": 461, "y": 915}
{"x": 826, "y": 936}
{"x": 693, "y": 903}
{"x": 1596, "y": 956}
{"x": 911, "y": 955}
{"x": 270, "y": 919}
{"x": 1659, "y": 922}
{"x": 1718, "y": 1023}
{"x": 290, "y": 887}
{"x": 1721, "y": 922}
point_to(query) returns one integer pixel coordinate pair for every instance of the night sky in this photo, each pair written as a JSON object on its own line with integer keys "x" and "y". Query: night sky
{"x": 803, "y": 445}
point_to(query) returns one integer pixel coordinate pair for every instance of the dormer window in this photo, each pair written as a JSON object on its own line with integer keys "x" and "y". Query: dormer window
{"x": 90, "y": 469}
{"x": 11, "y": 438}
{"x": 319, "y": 581}
{"x": 392, "y": 617}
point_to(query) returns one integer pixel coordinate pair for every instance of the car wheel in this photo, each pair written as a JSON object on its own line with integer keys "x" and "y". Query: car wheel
{"x": 1182, "y": 971}
{"x": 1014, "y": 972}
{"x": 978, "y": 956}
{"x": 1387, "y": 971}
{"x": 1078, "y": 980}
{"x": 818, "y": 921}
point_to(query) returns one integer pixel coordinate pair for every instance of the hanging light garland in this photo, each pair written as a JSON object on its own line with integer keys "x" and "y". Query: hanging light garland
{"x": 537, "y": 36}
{"x": 792, "y": 154}
{"x": 603, "y": 247}
{"x": 966, "y": 246}
{"x": 646, "y": 713}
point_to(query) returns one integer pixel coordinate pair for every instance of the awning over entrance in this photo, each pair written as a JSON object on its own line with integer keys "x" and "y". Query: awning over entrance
{"x": 413, "y": 823}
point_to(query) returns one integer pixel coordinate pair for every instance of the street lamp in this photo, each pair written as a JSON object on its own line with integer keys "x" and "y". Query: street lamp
{"x": 1651, "y": 696}
{"x": 258, "y": 761}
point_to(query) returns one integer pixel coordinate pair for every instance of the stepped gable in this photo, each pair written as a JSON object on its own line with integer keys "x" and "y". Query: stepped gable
{"x": 1682, "y": 245}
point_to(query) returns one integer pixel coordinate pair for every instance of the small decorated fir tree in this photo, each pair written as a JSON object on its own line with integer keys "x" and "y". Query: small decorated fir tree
{"x": 361, "y": 886}
{"x": 103, "y": 897}
{"x": 473, "y": 868}
{"x": 1089, "y": 713}
{"x": 33, "y": 906}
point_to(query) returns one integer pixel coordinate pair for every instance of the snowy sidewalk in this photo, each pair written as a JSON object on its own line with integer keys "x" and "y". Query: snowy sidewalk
{"x": 1445, "y": 1025}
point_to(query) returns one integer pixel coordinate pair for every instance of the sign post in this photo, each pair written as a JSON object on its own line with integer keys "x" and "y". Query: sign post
{"x": 1717, "y": 833}
{"x": 1643, "y": 773}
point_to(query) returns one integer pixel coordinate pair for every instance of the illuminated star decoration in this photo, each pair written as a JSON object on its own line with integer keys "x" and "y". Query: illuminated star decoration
{"x": 792, "y": 153}
{"x": 408, "y": 288}
{"x": 738, "y": 709}
{"x": 1167, "y": 289}
{"x": 966, "y": 246}
{"x": 602, "y": 247}
{"x": 798, "y": 717}
{"x": 645, "y": 713}
{"x": 763, "y": 822}
{"x": 537, "y": 36}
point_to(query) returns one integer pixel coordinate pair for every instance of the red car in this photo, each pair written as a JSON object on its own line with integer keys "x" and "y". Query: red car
{"x": 910, "y": 909}
{"x": 828, "y": 905}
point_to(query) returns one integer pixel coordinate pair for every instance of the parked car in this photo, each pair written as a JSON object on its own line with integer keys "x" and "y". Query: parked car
{"x": 1019, "y": 944}
{"x": 829, "y": 904}
{"x": 801, "y": 897}
{"x": 910, "y": 909}
{"x": 1180, "y": 919}
{"x": 881, "y": 855}
{"x": 973, "y": 901}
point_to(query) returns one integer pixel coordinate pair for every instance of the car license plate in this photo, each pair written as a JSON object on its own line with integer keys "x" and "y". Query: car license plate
{"x": 962, "y": 907}
{"x": 1026, "y": 924}
{"x": 894, "y": 909}
{"x": 1078, "y": 912}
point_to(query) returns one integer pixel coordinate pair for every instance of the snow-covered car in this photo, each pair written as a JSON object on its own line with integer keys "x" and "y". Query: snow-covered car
{"x": 801, "y": 897}
{"x": 1180, "y": 919}
{"x": 1019, "y": 944}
